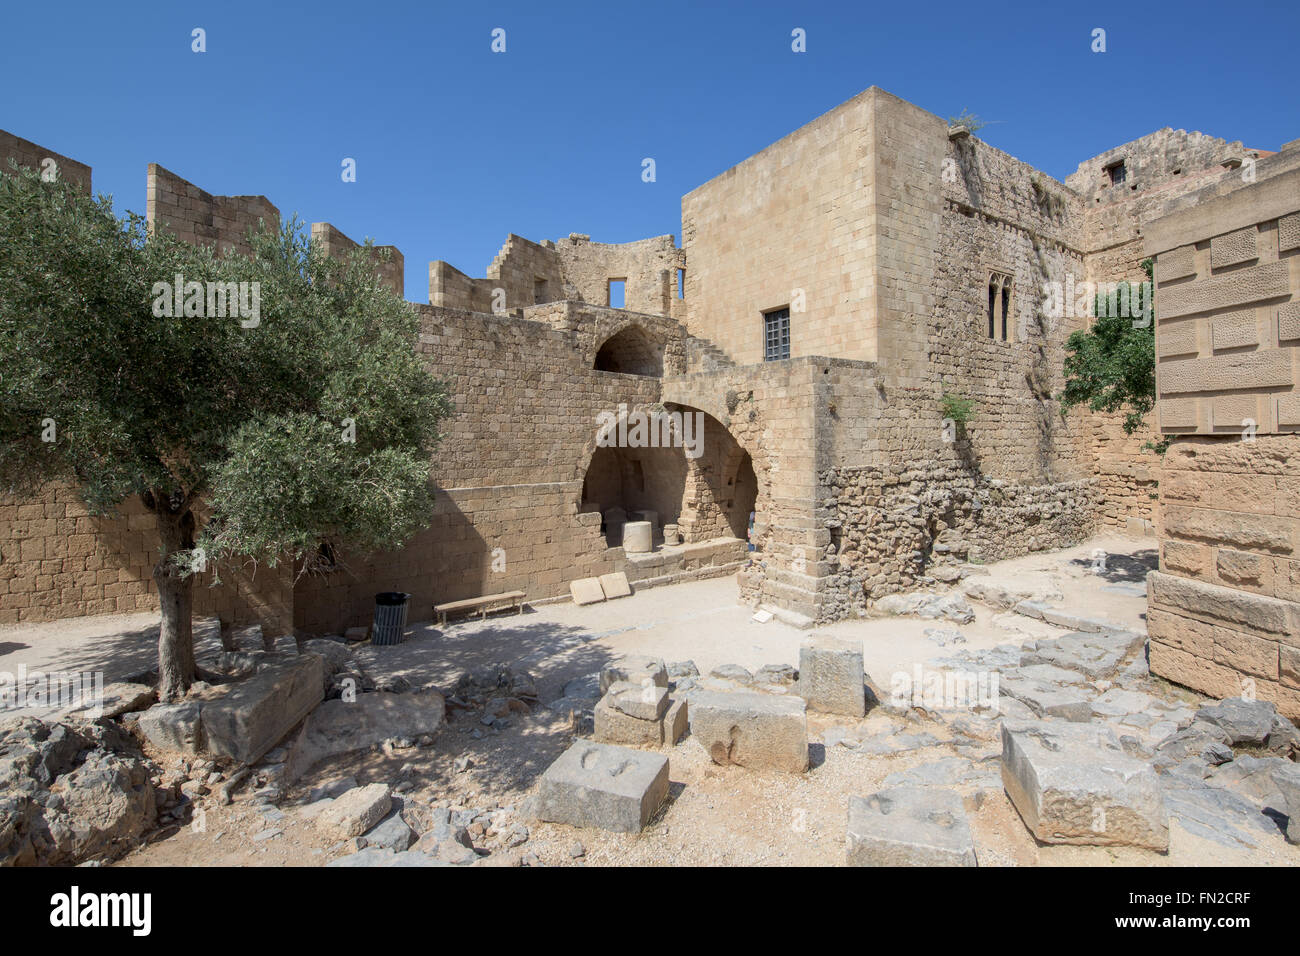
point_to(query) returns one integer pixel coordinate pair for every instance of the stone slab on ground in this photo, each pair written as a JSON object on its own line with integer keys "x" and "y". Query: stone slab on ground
{"x": 645, "y": 701}
{"x": 1069, "y": 702}
{"x": 635, "y": 669}
{"x": 1244, "y": 721}
{"x": 177, "y": 726}
{"x": 353, "y": 813}
{"x": 676, "y": 721}
{"x": 602, "y": 786}
{"x": 1096, "y": 654}
{"x": 909, "y": 826}
{"x": 257, "y": 713}
{"x": 1073, "y": 783}
{"x": 615, "y": 585}
{"x": 339, "y": 726}
{"x": 586, "y": 591}
{"x": 831, "y": 676}
{"x": 758, "y": 731}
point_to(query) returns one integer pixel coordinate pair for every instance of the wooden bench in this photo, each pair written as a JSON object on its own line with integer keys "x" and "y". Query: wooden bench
{"x": 481, "y": 604}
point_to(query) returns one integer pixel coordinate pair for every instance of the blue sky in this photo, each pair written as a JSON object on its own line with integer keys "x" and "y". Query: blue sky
{"x": 456, "y": 145}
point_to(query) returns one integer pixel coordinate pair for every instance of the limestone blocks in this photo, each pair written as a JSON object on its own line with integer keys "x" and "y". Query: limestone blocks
{"x": 758, "y": 731}
{"x": 909, "y": 826}
{"x": 1073, "y": 783}
{"x": 639, "y": 715}
{"x": 603, "y": 786}
{"x": 635, "y": 669}
{"x": 831, "y": 676}
{"x": 604, "y": 588}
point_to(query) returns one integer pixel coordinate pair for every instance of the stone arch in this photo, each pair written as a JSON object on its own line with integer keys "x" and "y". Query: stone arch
{"x": 719, "y": 488}
{"x": 632, "y": 351}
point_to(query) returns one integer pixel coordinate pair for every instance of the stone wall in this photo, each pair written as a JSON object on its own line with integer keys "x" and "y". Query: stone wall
{"x": 389, "y": 261}
{"x": 791, "y": 226}
{"x": 1224, "y": 613}
{"x": 29, "y": 155}
{"x": 198, "y": 217}
{"x": 526, "y": 273}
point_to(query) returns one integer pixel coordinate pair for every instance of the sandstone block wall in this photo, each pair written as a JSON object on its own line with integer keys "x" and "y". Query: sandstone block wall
{"x": 575, "y": 269}
{"x": 796, "y": 217}
{"x": 1225, "y": 606}
{"x": 389, "y": 262}
{"x": 29, "y": 155}
{"x": 198, "y": 217}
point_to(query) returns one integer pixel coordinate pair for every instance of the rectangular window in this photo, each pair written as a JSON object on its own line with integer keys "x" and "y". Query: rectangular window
{"x": 681, "y": 283}
{"x": 616, "y": 293}
{"x": 1117, "y": 173}
{"x": 539, "y": 291}
{"x": 776, "y": 335}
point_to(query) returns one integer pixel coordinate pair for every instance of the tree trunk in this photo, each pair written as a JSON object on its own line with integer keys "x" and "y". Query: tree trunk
{"x": 176, "y": 597}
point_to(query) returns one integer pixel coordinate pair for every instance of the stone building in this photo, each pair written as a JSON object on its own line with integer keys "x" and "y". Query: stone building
{"x": 836, "y": 302}
{"x": 1224, "y": 613}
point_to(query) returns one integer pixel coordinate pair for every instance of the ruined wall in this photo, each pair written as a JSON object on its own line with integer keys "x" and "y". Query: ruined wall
{"x": 389, "y": 261}
{"x": 1160, "y": 169}
{"x": 1224, "y": 613}
{"x": 32, "y": 156}
{"x": 526, "y": 273}
{"x": 509, "y": 473}
{"x": 198, "y": 217}
{"x": 647, "y": 266}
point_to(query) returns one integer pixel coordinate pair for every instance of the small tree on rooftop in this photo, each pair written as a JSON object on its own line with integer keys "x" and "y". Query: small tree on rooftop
{"x": 313, "y": 424}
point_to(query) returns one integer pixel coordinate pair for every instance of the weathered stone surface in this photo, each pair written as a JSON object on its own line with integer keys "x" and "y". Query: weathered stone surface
{"x": 615, "y": 585}
{"x": 1074, "y": 784}
{"x": 602, "y": 786}
{"x": 733, "y": 672}
{"x": 1069, "y": 702}
{"x": 339, "y": 726}
{"x": 1244, "y": 721}
{"x": 909, "y": 826}
{"x": 1096, "y": 654}
{"x": 586, "y": 591}
{"x": 353, "y": 813}
{"x": 613, "y": 726}
{"x": 177, "y": 726}
{"x": 758, "y": 731}
{"x": 831, "y": 676}
{"x": 646, "y": 701}
{"x": 256, "y": 713}
{"x": 675, "y": 722}
{"x": 948, "y": 606}
{"x": 1286, "y": 777}
{"x": 635, "y": 669}
{"x": 391, "y": 833}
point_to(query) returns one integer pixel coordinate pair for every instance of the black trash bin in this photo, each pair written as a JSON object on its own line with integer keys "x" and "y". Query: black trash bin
{"x": 390, "y": 617}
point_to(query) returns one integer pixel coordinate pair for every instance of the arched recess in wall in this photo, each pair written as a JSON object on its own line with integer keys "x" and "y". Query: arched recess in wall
{"x": 631, "y": 351}
{"x": 708, "y": 494}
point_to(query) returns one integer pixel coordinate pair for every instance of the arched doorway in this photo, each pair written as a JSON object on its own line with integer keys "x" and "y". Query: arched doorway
{"x": 632, "y": 352}
{"x": 704, "y": 481}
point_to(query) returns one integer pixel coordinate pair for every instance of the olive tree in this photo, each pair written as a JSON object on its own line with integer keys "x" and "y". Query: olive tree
{"x": 259, "y": 406}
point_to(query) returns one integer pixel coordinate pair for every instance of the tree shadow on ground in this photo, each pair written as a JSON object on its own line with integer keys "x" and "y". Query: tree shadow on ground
{"x": 1123, "y": 568}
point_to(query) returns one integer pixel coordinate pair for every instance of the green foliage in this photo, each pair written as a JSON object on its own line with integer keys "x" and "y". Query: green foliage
{"x": 967, "y": 119}
{"x": 244, "y": 425}
{"x": 956, "y": 408}
{"x": 1111, "y": 366}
